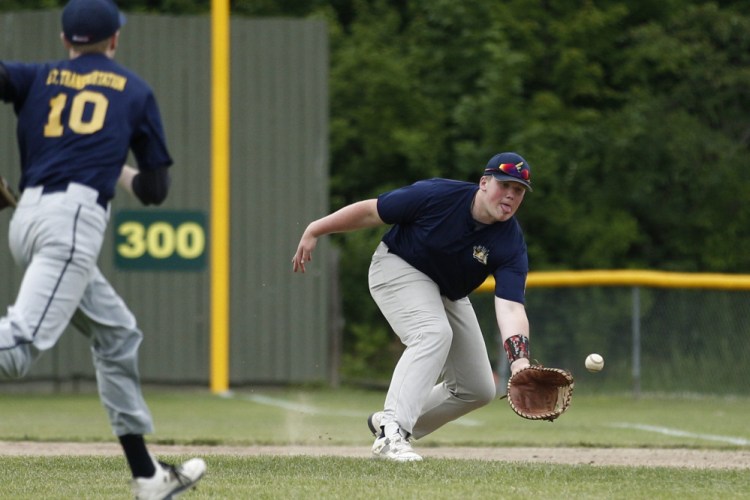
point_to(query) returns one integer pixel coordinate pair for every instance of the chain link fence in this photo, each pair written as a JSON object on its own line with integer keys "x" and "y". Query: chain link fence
{"x": 654, "y": 339}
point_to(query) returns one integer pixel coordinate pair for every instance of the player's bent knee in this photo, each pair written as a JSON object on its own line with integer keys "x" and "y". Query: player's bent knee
{"x": 487, "y": 397}
{"x": 476, "y": 394}
{"x": 484, "y": 392}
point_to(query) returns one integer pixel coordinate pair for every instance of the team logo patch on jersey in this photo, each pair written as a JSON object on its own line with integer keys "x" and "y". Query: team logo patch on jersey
{"x": 481, "y": 253}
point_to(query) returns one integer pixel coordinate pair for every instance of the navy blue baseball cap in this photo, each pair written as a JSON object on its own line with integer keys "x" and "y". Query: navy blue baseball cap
{"x": 510, "y": 167}
{"x": 90, "y": 21}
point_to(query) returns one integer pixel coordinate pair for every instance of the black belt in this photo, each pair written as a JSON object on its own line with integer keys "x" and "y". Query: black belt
{"x": 58, "y": 188}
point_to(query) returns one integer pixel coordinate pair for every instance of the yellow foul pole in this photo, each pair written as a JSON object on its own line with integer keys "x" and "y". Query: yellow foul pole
{"x": 219, "y": 196}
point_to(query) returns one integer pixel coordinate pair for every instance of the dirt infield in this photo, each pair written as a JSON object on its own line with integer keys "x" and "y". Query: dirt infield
{"x": 656, "y": 457}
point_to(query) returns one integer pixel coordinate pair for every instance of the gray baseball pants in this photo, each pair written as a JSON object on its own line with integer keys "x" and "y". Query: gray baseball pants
{"x": 57, "y": 238}
{"x": 445, "y": 371}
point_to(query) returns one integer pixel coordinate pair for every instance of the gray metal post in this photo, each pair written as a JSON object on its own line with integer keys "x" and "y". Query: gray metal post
{"x": 636, "y": 328}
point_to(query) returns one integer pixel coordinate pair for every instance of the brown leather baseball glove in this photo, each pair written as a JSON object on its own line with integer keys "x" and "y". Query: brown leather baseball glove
{"x": 7, "y": 197}
{"x": 540, "y": 393}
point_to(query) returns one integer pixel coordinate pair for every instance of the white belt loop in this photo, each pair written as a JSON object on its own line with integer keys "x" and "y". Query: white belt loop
{"x": 81, "y": 193}
{"x": 30, "y": 196}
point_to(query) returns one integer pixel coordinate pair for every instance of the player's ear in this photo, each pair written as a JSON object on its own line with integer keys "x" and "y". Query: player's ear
{"x": 114, "y": 41}
{"x": 65, "y": 41}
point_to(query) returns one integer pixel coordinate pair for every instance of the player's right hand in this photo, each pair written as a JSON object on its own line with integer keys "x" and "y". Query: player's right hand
{"x": 304, "y": 252}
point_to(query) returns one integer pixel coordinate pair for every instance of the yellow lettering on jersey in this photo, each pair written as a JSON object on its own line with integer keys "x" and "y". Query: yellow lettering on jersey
{"x": 77, "y": 81}
{"x": 53, "y": 77}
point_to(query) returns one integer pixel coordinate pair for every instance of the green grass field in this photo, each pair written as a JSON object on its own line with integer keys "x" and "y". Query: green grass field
{"x": 325, "y": 417}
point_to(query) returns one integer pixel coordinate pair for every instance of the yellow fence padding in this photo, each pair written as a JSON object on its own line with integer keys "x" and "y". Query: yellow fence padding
{"x": 630, "y": 277}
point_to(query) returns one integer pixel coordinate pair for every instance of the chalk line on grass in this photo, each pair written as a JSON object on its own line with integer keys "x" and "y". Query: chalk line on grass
{"x": 680, "y": 433}
{"x": 313, "y": 410}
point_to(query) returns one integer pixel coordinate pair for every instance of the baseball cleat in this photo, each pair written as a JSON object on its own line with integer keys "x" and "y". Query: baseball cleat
{"x": 373, "y": 422}
{"x": 169, "y": 480}
{"x": 394, "y": 447}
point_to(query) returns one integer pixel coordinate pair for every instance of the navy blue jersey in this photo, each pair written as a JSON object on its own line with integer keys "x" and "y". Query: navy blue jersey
{"x": 77, "y": 120}
{"x": 433, "y": 230}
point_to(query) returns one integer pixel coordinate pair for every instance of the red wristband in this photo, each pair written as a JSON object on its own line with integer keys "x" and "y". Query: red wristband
{"x": 516, "y": 347}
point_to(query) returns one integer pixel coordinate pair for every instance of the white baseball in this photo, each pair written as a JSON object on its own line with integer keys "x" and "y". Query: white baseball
{"x": 594, "y": 362}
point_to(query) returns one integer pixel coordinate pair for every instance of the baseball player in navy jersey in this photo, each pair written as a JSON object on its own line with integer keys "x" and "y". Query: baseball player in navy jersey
{"x": 77, "y": 121}
{"x": 446, "y": 238}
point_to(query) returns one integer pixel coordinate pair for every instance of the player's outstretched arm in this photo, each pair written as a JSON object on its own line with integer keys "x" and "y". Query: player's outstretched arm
{"x": 349, "y": 218}
{"x": 513, "y": 322}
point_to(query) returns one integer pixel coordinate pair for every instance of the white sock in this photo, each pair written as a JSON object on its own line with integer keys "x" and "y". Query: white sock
{"x": 392, "y": 428}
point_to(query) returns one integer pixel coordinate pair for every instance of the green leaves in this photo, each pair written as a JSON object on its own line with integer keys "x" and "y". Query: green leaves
{"x": 632, "y": 116}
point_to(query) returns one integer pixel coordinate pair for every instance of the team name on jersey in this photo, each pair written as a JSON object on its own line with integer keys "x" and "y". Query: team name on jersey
{"x": 77, "y": 81}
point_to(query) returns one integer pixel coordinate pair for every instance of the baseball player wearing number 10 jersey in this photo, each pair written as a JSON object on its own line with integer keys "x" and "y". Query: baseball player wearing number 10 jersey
{"x": 77, "y": 121}
{"x": 446, "y": 237}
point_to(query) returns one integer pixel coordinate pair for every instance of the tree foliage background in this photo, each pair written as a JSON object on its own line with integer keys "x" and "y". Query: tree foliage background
{"x": 634, "y": 115}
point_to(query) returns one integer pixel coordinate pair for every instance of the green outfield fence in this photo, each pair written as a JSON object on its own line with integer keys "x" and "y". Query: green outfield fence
{"x": 659, "y": 332}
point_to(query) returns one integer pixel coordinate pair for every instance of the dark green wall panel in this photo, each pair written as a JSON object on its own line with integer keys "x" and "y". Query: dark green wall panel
{"x": 279, "y": 176}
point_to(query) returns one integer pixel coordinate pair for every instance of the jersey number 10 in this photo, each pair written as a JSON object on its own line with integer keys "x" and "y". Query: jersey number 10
{"x": 76, "y": 121}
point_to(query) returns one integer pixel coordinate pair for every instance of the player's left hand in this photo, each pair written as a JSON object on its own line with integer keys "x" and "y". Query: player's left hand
{"x": 519, "y": 365}
{"x": 536, "y": 392}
